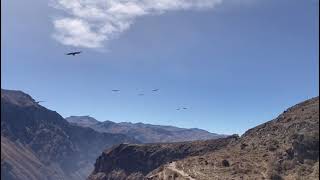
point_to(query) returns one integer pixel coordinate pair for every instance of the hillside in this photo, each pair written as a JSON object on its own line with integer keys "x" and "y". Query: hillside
{"x": 146, "y": 133}
{"x": 39, "y": 137}
{"x": 284, "y": 148}
{"x": 20, "y": 162}
{"x": 137, "y": 160}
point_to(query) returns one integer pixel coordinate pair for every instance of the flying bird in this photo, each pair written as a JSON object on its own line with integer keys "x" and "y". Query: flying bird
{"x": 155, "y": 90}
{"x": 74, "y": 53}
{"x": 184, "y": 108}
{"x": 115, "y": 90}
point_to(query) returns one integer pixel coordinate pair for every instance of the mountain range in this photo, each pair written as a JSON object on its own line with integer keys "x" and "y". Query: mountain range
{"x": 38, "y": 143}
{"x": 146, "y": 133}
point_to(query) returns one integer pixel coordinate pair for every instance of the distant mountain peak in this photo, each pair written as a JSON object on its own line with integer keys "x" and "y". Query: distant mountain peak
{"x": 82, "y": 120}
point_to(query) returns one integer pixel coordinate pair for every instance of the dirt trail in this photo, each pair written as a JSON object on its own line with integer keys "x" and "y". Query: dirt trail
{"x": 172, "y": 166}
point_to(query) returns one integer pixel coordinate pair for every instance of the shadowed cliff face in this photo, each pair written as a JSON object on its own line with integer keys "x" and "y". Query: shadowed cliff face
{"x": 146, "y": 133}
{"x": 69, "y": 150}
{"x": 284, "y": 148}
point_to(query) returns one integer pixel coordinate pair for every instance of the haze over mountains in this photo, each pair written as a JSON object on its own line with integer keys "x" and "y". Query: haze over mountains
{"x": 146, "y": 133}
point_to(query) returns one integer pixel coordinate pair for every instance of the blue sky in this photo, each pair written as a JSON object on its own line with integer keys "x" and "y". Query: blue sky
{"x": 235, "y": 65}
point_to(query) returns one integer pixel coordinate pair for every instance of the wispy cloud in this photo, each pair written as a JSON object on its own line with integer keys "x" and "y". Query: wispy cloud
{"x": 89, "y": 23}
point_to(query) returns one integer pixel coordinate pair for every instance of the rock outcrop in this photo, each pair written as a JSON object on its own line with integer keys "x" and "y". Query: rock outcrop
{"x": 134, "y": 161}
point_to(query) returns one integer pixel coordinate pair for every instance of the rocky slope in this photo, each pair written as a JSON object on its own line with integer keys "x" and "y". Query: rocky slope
{"x": 45, "y": 139}
{"x": 137, "y": 160}
{"x": 284, "y": 148}
{"x": 145, "y": 133}
{"x": 20, "y": 162}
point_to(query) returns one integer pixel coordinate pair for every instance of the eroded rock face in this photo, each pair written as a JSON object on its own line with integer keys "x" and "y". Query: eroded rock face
{"x": 68, "y": 149}
{"x": 284, "y": 148}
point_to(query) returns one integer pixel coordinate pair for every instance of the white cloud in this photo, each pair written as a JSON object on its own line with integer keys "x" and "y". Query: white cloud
{"x": 89, "y": 23}
{"x": 77, "y": 32}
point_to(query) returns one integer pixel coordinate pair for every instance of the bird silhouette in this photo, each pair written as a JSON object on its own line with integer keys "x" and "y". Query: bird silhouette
{"x": 73, "y": 53}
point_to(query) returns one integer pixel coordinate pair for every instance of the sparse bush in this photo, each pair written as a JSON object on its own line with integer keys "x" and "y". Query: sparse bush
{"x": 243, "y": 145}
{"x": 275, "y": 176}
{"x": 225, "y": 163}
{"x": 272, "y": 147}
{"x": 288, "y": 165}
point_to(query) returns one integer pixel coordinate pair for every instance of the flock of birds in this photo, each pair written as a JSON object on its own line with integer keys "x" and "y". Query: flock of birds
{"x": 154, "y": 90}
{"x": 141, "y": 94}
{"x": 115, "y": 90}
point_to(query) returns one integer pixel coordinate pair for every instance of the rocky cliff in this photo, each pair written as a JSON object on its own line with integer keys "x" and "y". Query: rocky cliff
{"x": 134, "y": 161}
